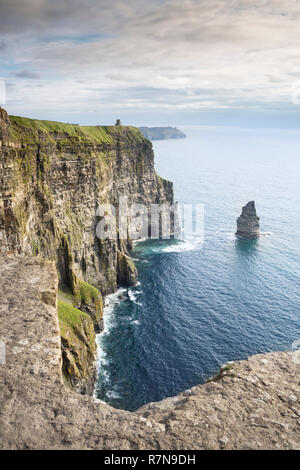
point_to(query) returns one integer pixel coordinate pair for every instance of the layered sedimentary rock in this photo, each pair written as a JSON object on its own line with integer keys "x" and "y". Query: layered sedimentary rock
{"x": 252, "y": 404}
{"x": 53, "y": 177}
{"x": 4, "y": 123}
{"x": 248, "y": 222}
{"x": 162, "y": 133}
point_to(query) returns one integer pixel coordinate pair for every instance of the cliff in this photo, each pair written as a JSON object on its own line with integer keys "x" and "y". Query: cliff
{"x": 53, "y": 177}
{"x": 162, "y": 133}
{"x": 248, "y": 222}
{"x": 251, "y": 404}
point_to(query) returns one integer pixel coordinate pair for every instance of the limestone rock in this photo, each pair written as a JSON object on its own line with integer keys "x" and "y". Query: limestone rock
{"x": 248, "y": 222}
{"x": 53, "y": 176}
{"x": 4, "y": 123}
{"x": 252, "y": 404}
{"x": 52, "y": 179}
{"x": 126, "y": 272}
{"x": 78, "y": 347}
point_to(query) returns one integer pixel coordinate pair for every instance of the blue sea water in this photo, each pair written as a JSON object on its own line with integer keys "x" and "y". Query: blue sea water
{"x": 198, "y": 306}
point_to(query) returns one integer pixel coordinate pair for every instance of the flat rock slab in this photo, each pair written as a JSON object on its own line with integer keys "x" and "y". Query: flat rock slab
{"x": 252, "y": 404}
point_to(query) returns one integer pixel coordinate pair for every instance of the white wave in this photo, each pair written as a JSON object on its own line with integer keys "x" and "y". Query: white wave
{"x": 133, "y": 296}
{"x": 105, "y": 376}
{"x": 266, "y": 233}
{"x": 112, "y": 394}
{"x": 139, "y": 240}
{"x": 109, "y": 304}
{"x": 184, "y": 245}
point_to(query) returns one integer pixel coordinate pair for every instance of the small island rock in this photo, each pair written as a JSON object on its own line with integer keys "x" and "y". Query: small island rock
{"x": 248, "y": 222}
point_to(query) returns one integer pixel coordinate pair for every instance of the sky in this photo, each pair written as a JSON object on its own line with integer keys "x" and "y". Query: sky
{"x": 152, "y": 62}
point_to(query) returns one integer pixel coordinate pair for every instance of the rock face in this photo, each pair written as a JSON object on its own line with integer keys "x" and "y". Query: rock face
{"x": 248, "y": 222}
{"x": 252, "y": 404}
{"x": 162, "y": 133}
{"x": 127, "y": 272}
{"x": 4, "y": 122}
{"x": 78, "y": 348}
{"x": 53, "y": 177}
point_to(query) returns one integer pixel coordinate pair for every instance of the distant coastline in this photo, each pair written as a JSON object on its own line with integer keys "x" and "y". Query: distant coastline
{"x": 162, "y": 133}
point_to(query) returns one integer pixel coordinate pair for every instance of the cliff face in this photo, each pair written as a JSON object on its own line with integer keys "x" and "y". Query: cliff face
{"x": 251, "y": 404}
{"x": 248, "y": 222}
{"x": 53, "y": 177}
{"x": 162, "y": 133}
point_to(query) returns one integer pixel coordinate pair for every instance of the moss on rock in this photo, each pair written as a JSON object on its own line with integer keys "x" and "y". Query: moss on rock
{"x": 91, "y": 302}
{"x": 126, "y": 270}
{"x": 78, "y": 347}
{"x": 87, "y": 299}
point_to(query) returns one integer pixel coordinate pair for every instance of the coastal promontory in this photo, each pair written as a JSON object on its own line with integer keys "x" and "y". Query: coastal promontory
{"x": 162, "y": 133}
{"x": 53, "y": 177}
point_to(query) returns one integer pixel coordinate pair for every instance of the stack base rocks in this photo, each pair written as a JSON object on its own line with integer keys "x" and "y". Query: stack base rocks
{"x": 248, "y": 222}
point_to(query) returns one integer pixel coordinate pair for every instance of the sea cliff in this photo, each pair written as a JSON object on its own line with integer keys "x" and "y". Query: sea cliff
{"x": 162, "y": 133}
{"x": 252, "y": 404}
{"x": 53, "y": 177}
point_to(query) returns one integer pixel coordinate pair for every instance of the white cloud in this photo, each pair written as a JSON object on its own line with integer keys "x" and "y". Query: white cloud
{"x": 158, "y": 54}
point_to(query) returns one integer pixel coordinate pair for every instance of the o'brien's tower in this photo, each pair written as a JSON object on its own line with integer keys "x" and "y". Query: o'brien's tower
{"x": 248, "y": 222}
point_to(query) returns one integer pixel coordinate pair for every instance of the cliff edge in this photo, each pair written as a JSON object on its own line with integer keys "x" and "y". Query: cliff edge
{"x": 53, "y": 178}
{"x": 251, "y": 404}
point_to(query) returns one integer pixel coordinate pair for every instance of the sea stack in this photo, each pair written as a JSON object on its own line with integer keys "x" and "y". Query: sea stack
{"x": 248, "y": 222}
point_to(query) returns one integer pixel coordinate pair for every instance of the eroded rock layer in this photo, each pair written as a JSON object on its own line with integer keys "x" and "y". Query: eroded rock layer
{"x": 248, "y": 222}
{"x": 251, "y": 404}
{"x": 53, "y": 178}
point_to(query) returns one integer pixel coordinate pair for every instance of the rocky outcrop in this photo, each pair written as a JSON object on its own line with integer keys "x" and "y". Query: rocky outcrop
{"x": 78, "y": 347}
{"x": 248, "y": 222}
{"x": 53, "y": 177}
{"x": 4, "y": 123}
{"x": 127, "y": 272}
{"x": 162, "y": 133}
{"x": 51, "y": 184}
{"x": 251, "y": 404}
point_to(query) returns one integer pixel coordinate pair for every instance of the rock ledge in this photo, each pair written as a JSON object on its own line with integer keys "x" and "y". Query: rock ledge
{"x": 252, "y": 404}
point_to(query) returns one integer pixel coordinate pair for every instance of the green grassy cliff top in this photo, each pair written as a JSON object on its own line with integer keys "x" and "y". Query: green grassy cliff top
{"x": 35, "y": 131}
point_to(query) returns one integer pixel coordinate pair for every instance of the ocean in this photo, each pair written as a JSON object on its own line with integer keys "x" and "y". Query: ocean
{"x": 201, "y": 304}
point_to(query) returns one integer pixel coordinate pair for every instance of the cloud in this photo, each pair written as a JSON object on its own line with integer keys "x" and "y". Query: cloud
{"x": 187, "y": 54}
{"x": 27, "y": 74}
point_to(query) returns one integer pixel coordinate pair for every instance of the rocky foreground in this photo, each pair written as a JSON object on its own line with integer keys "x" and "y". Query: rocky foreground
{"x": 250, "y": 404}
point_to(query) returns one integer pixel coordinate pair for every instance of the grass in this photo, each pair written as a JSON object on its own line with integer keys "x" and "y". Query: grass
{"x": 88, "y": 294}
{"x": 69, "y": 316}
{"x": 34, "y": 131}
{"x": 66, "y": 296}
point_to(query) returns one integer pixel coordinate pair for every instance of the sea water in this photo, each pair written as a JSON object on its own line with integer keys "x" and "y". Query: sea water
{"x": 199, "y": 305}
